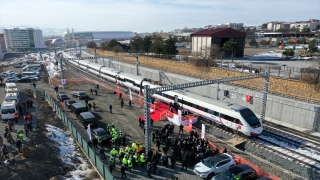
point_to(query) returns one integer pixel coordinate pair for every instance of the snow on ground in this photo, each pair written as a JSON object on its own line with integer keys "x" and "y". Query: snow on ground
{"x": 52, "y": 71}
{"x": 266, "y": 55}
{"x": 308, "y": 153}
{"x": 67, "y": 152}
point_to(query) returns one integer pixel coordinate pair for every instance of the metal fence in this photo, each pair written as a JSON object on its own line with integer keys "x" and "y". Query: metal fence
{"x": 87, "y": 149}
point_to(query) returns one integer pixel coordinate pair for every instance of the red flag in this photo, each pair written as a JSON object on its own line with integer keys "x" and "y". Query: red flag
{"x": 190, "y": 123}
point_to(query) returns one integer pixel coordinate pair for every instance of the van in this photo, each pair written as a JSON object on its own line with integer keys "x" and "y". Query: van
{"x": 78, "y": 108}
{"x": 87, "y": 118}
{"x": 30, "y": 65}
{"x": 8, "y": 110}
{"x": 11, "y": 87}
{"x": 12, "y": 97}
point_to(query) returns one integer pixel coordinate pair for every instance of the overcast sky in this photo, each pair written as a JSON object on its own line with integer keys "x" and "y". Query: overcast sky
{"x": 151, "y": 15}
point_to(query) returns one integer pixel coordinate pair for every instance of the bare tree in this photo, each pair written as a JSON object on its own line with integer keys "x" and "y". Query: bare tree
{"x": 312, "y": 75}
{"x": 116, "y": 49}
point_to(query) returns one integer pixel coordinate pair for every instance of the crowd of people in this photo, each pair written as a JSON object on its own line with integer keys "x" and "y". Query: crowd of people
{"x": 27, "y": 128}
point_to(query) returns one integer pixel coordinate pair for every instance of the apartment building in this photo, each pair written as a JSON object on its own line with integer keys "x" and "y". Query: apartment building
{"x": 23, "y": 39}
{"x": 300, "y": 25}
{"x": 2, "y": 46}
{"x": 276, "y": 25}
{"x": 226, "y": 25}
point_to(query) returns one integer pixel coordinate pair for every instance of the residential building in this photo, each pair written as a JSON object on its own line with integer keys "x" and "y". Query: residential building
{"x": 276, "y": 25}
{"x": 23, "y": 39}
{"x": 226, "y": 25}
{"x": 2, "y": 46}
{"x": 311, "y": 25}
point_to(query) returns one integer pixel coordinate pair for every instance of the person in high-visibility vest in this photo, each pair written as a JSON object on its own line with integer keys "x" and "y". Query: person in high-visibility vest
{"x": 20, "y": 134}
{"x": 112, "y": 164}
{"x": 127, "y": 149}
{"x": 121, "y": 154}
{"x": 134, "y": 145}
{"x": 130, "y": 164}
{"x": 142, "y": 159}
{"x": 113, "y": 152}
{"x": 100, "y": 141}
{"x": 125, "y": 162}
{"x": 136, "y": 160}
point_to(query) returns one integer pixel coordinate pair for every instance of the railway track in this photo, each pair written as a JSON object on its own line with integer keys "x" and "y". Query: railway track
{"x": 303, "y": 150}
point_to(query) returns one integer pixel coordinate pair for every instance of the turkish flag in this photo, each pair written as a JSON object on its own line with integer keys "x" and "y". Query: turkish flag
{"x": 239, "y": 127}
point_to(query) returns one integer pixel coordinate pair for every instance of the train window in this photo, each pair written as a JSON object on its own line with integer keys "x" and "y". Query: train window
{"x": 205, "y": 110}
{"x": 201, "y": 108}
{"x": 216, "y": 113}
{"x": 221, "y": 115}
{"x": 226, "y": 117}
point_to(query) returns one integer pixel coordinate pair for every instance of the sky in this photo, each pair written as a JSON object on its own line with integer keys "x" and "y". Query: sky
{"x": 151, "y": 15}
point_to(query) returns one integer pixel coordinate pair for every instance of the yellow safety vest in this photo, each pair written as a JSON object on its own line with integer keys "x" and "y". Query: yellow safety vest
{"x": 129, "y": 163}
{"x": 142, "y": 158}
{"x": 124, "y": 161}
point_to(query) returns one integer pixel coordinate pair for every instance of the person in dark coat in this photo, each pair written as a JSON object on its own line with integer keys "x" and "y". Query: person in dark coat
{"x": 89, "y": 106}
{"x": 158, "y": 144}
{"x": 95, "y": 142}
{"x": 120, "y": 96}
{"x": 123, "y": 171}
{"x": 172, "y": 161}
{"x": 149, "y": 169}
{"x": 181, "y": 128}
{"x": 110, "y": 108}
{"x": 91, "y": 91}
{"x": 153, "y": 136}
{"x": 86, "y": 101}
{"x": 98, "y": 86}
{"x": 95, "y": 91}
{"x": 122, "y": 103}
{"x": 102, "y": 154}
{"x": 18, "y": 144}
{"x": 154, "y": 167}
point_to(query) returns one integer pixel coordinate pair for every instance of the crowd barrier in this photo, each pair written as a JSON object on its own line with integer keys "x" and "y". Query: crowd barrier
{"x": 102, "y": 168}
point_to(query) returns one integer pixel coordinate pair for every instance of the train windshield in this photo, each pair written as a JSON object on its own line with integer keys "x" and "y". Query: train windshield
{"x": 250, "y": 117}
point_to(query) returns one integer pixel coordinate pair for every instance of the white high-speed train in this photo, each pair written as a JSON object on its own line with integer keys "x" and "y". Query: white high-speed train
{"x": 235, "y": 117}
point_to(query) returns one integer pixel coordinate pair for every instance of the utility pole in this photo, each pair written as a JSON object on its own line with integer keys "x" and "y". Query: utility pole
{"x": 63, "y": 81}
{"x": 80, "y": 50}
{"x": 137, "y": 64}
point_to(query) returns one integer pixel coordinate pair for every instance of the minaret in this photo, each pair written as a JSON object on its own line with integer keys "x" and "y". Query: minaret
{"x": 72, "y": 36}
{"x": 68, "y": 39}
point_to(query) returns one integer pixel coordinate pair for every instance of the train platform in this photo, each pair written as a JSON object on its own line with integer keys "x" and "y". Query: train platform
{"x": 158, "y": 111}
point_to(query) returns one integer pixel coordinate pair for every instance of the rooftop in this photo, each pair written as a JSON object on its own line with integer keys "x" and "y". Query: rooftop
{"x": 220, "y": 32}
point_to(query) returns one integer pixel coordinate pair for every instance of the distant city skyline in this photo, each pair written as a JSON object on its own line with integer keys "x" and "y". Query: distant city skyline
{"x": 150, "y": 16}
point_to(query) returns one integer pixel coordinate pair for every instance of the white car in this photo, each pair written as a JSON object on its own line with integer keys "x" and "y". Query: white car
{"x": 214, "y": 165}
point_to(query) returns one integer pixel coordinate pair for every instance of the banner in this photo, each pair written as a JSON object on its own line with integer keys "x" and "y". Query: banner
{"x": 118, "y": 90}
{"x": 190, "y": 124}
{"x": 89, "y": 132}
{"x": 130, "y": 94}
{"x": 203, "y": 130}
{"x": 63, "y": 81}
{"x": 179, "y": 115}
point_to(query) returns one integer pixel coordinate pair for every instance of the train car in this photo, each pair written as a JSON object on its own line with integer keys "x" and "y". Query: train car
{"x": 238, "y": 118}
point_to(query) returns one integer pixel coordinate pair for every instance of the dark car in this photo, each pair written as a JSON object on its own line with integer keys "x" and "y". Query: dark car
{"x": 264, "y": 178}
{"x": 78, "y": 108}
{"x": 24, "y": 79}
{"x": 62, "y": 97}
{"x": 87, "y": 118}
{"x": 80, "y": 95}
{"x": 69, "y": 102}
{"x": 243, "y": 171}
{"x": 99, "y": 132}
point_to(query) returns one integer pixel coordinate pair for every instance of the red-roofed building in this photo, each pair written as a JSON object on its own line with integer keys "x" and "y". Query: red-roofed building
{"x": 202, "y": 41}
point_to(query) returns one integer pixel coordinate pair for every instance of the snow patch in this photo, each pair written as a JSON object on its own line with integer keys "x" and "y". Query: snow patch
{"x": 266, "y": 55}
{"x": 67, "y": 153}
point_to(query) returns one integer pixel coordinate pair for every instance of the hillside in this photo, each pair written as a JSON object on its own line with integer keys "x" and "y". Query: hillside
{"x": 284, "y": 87}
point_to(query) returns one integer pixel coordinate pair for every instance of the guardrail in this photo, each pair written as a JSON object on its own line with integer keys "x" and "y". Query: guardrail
{"x": 102, "y": 168}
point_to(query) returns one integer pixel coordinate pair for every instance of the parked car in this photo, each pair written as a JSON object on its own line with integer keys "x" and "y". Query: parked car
{"x": 99, "y": 132}
{"x": 78, "y": 108}
{"x": 214, "y": 165}
{"x": 34, "y": 78}
{"x": 12, "y": 79}
{"x": 69, "y": 102}
{"x": 80, "y": 95}
{"x": 62, "y": 97}
{"x": 87, "y": 118}
{"x": 16, "y": 65}
{"x": 24, "y": 64}
{"x": 24, "y": 79}
{"x": 243, "y": 171}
